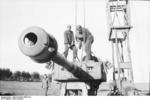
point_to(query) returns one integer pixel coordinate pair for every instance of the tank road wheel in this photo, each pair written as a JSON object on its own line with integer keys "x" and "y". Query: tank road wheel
{"x": 74, "y": 89}
{"x": 74, "y": 92}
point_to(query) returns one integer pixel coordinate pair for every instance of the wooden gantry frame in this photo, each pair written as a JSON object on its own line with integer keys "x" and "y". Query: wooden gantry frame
{"x": 119, "y": 25}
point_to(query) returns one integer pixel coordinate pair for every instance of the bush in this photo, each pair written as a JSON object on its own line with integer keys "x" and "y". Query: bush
{"x": 6, "y": 74}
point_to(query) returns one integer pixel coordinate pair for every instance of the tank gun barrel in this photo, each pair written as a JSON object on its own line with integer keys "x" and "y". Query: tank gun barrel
{"x": 42, "y": 47}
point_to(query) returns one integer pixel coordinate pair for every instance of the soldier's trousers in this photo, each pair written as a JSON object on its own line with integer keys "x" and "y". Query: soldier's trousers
{"x": 67, "y": 46}
{"x": 87, "y": 47}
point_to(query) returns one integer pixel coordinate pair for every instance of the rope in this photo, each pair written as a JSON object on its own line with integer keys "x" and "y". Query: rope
{"x": 84, "y": 13}
{"x": 75, "y": 14}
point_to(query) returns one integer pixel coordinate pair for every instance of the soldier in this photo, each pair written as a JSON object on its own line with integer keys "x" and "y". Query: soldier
{"x": 84, "y": 36}
{"x": 69, "y": 42}
{"x": 45, "y": 84}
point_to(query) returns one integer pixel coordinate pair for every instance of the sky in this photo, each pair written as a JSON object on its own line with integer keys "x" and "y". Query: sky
{"x": 55, "y": 15}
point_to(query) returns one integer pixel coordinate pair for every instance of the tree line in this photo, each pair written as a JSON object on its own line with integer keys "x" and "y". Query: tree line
{"x": 8, "y": 75}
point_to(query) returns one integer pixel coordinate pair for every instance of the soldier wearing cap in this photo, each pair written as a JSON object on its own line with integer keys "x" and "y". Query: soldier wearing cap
{"x": 85, "y": 37}
{"x": 69, "y": 42}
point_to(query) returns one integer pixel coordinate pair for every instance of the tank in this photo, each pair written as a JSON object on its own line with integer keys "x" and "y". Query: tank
{"x": 42, "y": 47}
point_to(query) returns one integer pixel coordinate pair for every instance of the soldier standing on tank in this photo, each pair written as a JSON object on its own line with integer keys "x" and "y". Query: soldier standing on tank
{"x": 85, "y": 38}
{"x": 69, "y": 42}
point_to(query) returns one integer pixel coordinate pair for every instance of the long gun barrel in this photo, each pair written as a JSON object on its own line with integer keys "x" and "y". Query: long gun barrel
{"x": 42, "y": 47}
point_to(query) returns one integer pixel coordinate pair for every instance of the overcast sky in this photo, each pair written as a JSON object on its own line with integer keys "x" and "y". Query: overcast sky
{"x": 54, "y": 15}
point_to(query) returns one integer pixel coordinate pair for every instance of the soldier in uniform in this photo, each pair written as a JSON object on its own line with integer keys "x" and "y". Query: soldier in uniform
{"x": 69, "y": 42}
{"x": 45, "y": 84}
{"x": 85, "y": 38}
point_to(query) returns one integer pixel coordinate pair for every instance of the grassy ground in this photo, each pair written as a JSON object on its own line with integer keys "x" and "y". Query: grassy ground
{"x": 34, "y": 88}
{"x": 27, "y": 88}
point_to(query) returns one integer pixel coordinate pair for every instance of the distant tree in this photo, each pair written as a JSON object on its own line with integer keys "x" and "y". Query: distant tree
{"x": 23, "y": 74}
{"x": 8, "y": 74}
{"x": 5, "y": 74}
{"x": 28, "y": 76}
{"x": 35, "y": 76}
{"x": 17, "y": 75}
{"x": 1, "y": 74}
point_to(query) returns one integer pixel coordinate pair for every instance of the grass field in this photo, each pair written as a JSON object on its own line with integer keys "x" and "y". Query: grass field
{"x": 34, "y": 88}
{"x": 27, "y": 88}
